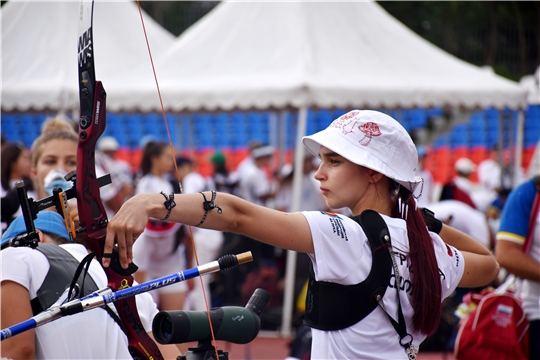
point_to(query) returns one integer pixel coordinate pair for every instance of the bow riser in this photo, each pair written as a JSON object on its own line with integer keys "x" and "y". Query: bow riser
{"x": 92, "y": 214}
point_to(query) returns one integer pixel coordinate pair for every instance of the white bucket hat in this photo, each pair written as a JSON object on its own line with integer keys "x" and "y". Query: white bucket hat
{"x": 371, "y": 139}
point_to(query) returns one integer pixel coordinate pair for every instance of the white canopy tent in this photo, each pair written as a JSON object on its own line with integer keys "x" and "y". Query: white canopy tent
{"x": 39, "y": 50}
{"x": 276, "y": 55}
{"x": 532, "y": 84}
{"x": 260, "y": 55}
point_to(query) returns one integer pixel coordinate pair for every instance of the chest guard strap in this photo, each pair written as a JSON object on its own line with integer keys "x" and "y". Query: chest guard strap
{"x": 331, "y": 306}
{"x": 61, "y": 271}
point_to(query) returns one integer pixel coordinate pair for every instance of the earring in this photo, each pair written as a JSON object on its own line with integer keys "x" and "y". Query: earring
{"x": 403, "y": 207}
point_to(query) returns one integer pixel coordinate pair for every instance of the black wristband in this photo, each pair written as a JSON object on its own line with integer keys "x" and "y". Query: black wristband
{"x": 208, "y": 205}
{"x": 433, "y": 224}
{"x": 169, "y": 203}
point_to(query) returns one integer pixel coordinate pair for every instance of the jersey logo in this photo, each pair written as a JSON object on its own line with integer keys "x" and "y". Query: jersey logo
{"x": 450, "y": 253}
{"x": 330, "y": 214}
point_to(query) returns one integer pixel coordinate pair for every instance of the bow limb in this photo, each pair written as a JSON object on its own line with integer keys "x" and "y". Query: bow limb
{"x": 92, "y": 216}
{"x": 193, "y": 246}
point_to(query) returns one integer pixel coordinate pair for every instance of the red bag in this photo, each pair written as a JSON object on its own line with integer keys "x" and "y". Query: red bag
{"x": 496, "y": 329}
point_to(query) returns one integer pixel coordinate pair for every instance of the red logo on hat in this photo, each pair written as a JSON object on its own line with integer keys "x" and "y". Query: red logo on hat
{"x": 370, "y": 129}
{"x": 344, "y": 121}
{"x": 349, "y": 115}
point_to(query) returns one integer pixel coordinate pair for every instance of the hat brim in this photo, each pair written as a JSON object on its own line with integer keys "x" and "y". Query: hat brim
{"x": 333, "y": 141}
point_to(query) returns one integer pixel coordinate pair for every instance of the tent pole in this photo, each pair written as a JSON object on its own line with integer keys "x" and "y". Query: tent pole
{"x": 290, "y": 270}
{"x": 501, "y": 145}
{"x": 281, "y": 136}
{"x": 519, "y": 148}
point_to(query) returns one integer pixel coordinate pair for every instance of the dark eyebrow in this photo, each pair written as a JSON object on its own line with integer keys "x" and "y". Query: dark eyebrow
{"x": 328, "y": 153}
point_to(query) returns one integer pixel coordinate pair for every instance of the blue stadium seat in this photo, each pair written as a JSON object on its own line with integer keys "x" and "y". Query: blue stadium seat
{"x": 339, "y": 112}
{"x": 40, "y": 119}
{"x": 220, "y": 130}
{"x": 433, "y": 112}
{"x": 442, "y": 141}
{"x": 121, "y": 137}
{"x": 418, "y": 118}
{"x": 531, "y": 124}
{"x": 9, "y": 122}
{"x": 290, "y": 124}
{"x": 492, "y": 116}
{"x": 325, "y": 118}
{"x": 12, "y": 135}
{"x": 184, "y": 130}
{"x": 533, "y": 112}
{"x": 477, "y": 136}
{"x": 477, "y": 121}
{"x": 172, "y": 123}
{"x": 312, "y": 125}
{"x": 460, "y": 135}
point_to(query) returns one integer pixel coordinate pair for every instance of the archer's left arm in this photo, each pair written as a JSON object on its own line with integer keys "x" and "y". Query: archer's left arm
{"x": 285, "y": 230}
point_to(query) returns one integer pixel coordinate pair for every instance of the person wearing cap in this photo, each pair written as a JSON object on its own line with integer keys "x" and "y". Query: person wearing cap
{"x": 254, "y": 185}
{"x": 222, "y": 180}
{"x": 368, "y": 162}
{"x": 460, "y": 188}
{"x": 114, "y": 194}
{"x": 247, "y": 162}
{"x": 29, "y": 274}
{"x": 464, "y": 167}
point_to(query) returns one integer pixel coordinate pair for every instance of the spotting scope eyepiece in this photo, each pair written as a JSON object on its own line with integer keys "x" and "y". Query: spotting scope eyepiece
{"x": 239, "y": 325}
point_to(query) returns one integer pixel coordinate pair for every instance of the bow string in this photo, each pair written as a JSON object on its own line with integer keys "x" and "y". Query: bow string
{"x": 164, "y": 115}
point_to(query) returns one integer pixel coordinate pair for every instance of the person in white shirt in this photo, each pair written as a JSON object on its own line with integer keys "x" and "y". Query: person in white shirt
{"x": 464, "y": 167}
{"x": 460, "y": 187}
{"x": 312, "y": 198}
{"x": 121, "y": 186}
{"x": 207, "y": 242}
{"x": 461, "y": 216}
{"x": 256, "y": 188}
{"x": 90, "y": 335}
{"x": 254, "y": 185}
{"x": 159, "y": 251}
{"x": 248, "y": 161}
{"x": 368, "y": 162}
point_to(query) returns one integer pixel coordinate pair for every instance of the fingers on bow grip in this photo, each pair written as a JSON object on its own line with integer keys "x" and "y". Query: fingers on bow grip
{"x": 116, "y": 266}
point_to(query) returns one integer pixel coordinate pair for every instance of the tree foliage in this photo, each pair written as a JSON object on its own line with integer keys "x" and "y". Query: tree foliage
{"x": 502, "y": 34}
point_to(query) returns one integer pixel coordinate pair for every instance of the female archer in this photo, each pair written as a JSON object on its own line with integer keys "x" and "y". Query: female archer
{"x": 368, "y": 163}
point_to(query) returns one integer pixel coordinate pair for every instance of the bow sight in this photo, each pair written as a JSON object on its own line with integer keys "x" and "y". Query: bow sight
{"x": 30, "y": 209}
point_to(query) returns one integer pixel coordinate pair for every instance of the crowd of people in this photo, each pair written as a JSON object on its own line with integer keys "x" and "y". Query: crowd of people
{"x": 346, "y": 172}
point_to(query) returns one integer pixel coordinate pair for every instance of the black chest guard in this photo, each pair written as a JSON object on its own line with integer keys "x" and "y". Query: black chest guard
{"x": 63, "y": 267}
{"x": 61, "y": 271}
{"x": 331, "y": 306}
